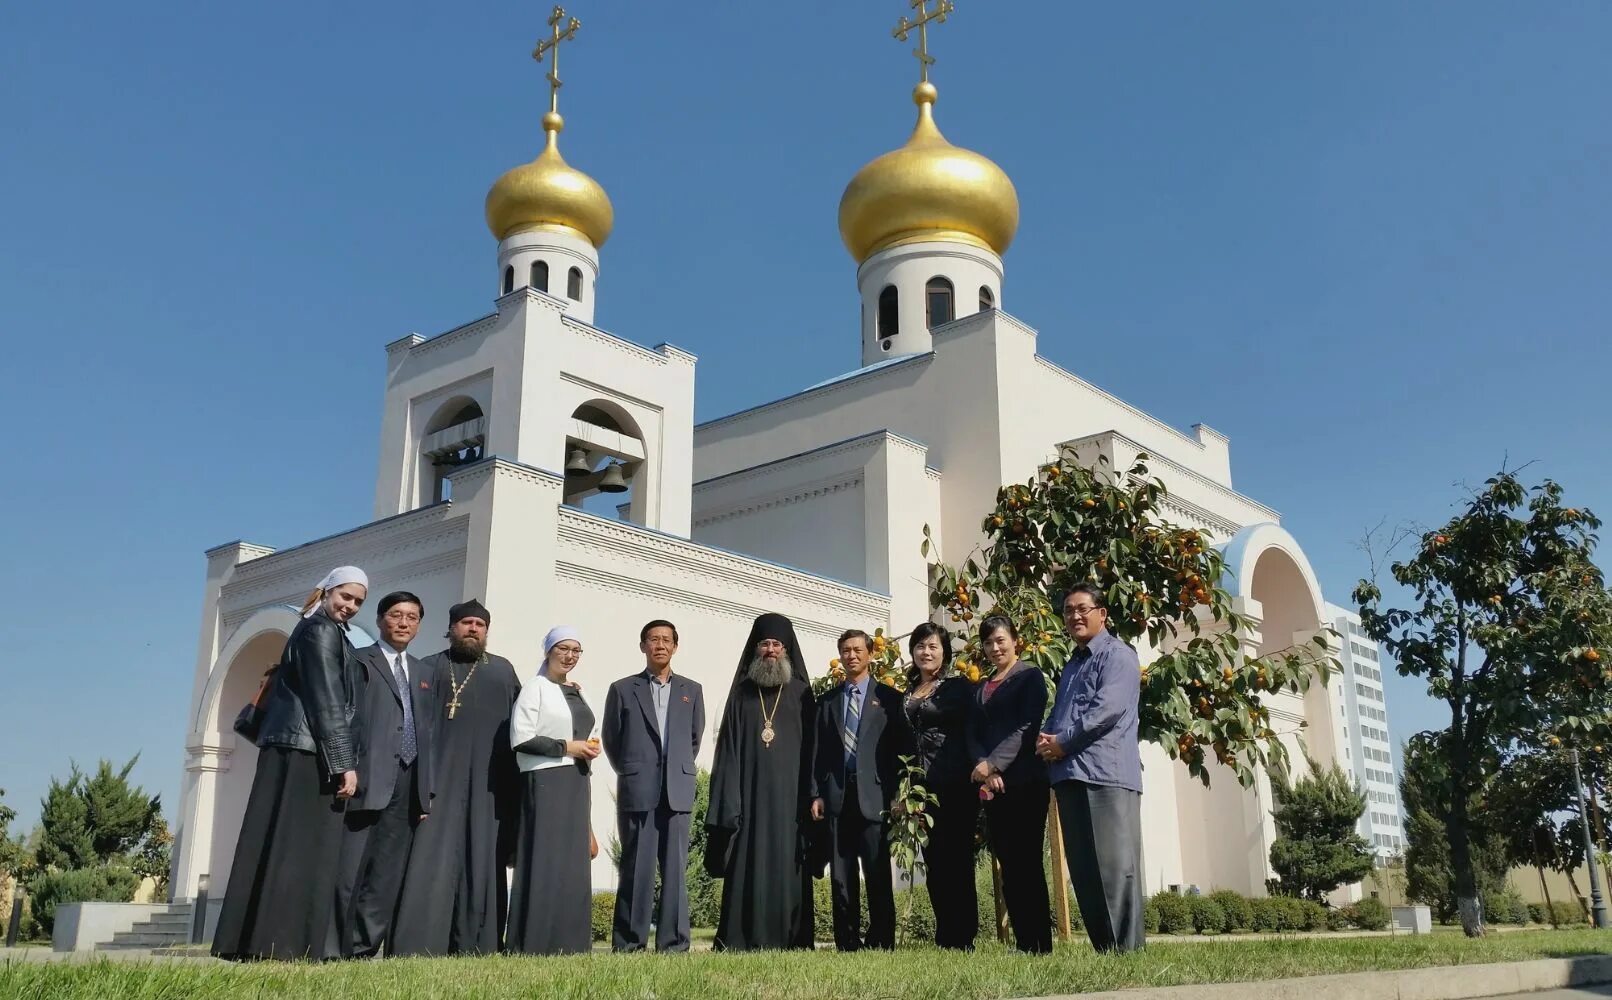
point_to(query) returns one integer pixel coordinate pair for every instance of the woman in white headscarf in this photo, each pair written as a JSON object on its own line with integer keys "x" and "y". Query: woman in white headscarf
{"x": 551, "y": 899}
{"x": 281, "y": 901}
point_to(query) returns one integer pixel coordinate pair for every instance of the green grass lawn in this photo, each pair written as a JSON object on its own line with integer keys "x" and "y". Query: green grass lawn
{"x": 917, "y": 973}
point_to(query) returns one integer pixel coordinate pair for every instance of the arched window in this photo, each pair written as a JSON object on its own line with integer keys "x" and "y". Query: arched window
{"x": 987, "y": 300}
{"x": 889, "y": 313}
{"x": 573, "y": 285}
{"x": 509, "y": 279}
{"x": 540, "y": 275}
{"x": 938, "y": 302}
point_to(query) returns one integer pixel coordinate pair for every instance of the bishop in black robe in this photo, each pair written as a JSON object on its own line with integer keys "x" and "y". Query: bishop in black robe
{"x": 456, "y": 892}
{"x": 762, "y": 841}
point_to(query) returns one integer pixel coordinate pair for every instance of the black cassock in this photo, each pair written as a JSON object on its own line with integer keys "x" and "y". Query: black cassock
{"x": 455, "y": 892}
{"x": 760, "y": 832}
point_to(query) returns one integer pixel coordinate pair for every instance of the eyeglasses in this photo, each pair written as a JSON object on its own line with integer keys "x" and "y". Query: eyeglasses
{"x": 1082, "y": 612}
{"x": 402, "y": 616}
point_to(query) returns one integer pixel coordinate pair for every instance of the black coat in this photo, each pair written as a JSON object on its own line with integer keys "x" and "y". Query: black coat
{"x": 312, "y": 705}
{"x": 938, "y": 723}
{"x": 381, "y": 709}
{"x": 645, "y": 764}
{"x": 882, "y": 738}
{"x": 1003, "y": 729}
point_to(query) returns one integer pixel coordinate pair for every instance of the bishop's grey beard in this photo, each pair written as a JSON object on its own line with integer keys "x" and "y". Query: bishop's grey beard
{"x": 771, "y": 673}
{"x": 466, "y": 650}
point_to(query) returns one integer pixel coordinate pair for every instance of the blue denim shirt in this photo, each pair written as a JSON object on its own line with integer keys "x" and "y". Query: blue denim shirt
{"x": 1095, "y": 716}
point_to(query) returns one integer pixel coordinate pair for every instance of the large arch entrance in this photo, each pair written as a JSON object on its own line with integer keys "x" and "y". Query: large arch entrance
{"x": 1226, "y": 830}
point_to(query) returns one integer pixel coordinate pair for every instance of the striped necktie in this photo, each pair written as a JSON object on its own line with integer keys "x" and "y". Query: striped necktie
{"x": 410, "y": 749}
{"x": 853, "y": 720}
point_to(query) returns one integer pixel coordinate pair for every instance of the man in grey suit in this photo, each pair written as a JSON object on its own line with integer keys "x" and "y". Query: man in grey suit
{"x": 862, "y": 732}
{"x": 651, "y": 732}
{"x": 396, "y": 708}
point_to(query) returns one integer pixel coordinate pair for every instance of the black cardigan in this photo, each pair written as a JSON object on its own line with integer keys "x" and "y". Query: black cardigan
{"x": 1003, "y": 730}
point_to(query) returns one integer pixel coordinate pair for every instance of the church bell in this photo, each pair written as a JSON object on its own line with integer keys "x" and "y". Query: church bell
{"x": 613, "y": 481}
{"x": 577, "y": 464}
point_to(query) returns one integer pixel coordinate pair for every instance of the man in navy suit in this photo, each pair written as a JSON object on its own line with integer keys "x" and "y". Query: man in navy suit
{"x": 651, "y": 732}
{"x": 396, "y": 709}
{"x": 861, "y": 732}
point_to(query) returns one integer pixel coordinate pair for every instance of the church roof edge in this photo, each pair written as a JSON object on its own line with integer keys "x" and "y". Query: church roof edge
{"x": 883, "y": 432}
{"x": 838, "y": 382}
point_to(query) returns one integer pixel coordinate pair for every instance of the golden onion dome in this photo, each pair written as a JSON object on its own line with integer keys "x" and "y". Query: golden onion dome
{"x": 928, "y": 190}
{"x": 548, "y": 192}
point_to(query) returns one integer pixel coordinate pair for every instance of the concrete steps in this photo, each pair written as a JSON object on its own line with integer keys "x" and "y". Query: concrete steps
{"x": 168, "y": 928}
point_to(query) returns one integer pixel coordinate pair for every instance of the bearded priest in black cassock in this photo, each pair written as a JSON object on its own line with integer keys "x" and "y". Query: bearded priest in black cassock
{"x": 455, "y": 891}
{"x": 761, "y": 840}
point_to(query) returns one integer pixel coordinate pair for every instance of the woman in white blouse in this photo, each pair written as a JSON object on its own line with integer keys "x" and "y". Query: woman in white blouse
{"x": 551, "y": 900}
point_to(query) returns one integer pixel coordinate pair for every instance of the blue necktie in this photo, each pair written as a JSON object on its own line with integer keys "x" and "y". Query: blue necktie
{"x": 409, "y": 749}
{"x": 853, "y": 719}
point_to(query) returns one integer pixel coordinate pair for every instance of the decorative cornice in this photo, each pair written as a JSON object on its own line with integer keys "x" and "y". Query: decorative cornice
{"x": 472, "y": 329}
{"x": 676, "y": 353}
{"x": 405, "y": 344}
{"x": 839, "y": 385}
{"x": 584, "y": 530}
{"x": 610, "y": 340}
{"x": 782, "y": 498}
{"x": 603, "y": 579}
{"x": 1154, "y": 457}
{"x": 870, "y": 441}
{"x": 245, "y": 551}
{"x": 288, "y": 574}
{"x": 1116, "y": 401}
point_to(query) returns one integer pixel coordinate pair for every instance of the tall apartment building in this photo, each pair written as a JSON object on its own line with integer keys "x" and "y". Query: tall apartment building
{"x": 1364, "y": 747}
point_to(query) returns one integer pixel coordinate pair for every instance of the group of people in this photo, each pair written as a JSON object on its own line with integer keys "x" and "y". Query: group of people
{"x": 394, "y": 794}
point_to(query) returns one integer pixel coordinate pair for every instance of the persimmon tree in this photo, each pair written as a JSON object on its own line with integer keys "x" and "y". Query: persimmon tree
{"x": 1203, "y": 695}
{"x": 1507, "y": 619}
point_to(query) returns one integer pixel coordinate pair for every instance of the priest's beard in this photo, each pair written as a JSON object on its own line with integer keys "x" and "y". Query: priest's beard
{"x": 771, "y": 673}
{"x": 467, "y": 649}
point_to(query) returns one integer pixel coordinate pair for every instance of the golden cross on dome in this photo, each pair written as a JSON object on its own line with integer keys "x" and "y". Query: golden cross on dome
{"x": 551, "y": 47}
{"x": 921, "y": 22}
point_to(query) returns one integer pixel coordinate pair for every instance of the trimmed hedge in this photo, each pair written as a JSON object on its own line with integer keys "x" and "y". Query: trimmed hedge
{"x": 1567, "y": 914}
{"x": 1370, "y": 914}
{"x": 1175, "y": 913}
{"x": 1239, "y": 914}
{"x": 1207, "y": 915}
{"x": 604, "y": 914}
{"x": 49, "y": 889}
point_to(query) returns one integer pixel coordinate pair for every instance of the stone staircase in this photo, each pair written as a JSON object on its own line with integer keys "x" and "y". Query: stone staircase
{"x": 169, "y": 928}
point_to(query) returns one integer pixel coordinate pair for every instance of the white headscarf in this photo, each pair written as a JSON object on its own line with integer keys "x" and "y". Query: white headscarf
{"x": 337, "y": 577}
{"x": 557, "y": 635}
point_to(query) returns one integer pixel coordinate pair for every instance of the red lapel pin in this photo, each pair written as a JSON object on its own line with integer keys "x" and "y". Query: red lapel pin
{"x": 685, "y": 698}
{"x": 425, "y": 685}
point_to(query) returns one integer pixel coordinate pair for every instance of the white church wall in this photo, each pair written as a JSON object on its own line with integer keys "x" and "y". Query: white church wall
{"x": 614, "y": 577}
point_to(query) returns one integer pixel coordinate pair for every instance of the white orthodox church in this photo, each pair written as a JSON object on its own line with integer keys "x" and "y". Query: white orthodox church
{"x": 495, "y": 432}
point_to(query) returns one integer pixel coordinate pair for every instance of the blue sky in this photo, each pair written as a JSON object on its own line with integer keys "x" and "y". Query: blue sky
{"x": 1368, "y": 243}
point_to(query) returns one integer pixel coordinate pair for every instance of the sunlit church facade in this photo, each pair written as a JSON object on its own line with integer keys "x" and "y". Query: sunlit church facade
{"x": 495, "y": 432}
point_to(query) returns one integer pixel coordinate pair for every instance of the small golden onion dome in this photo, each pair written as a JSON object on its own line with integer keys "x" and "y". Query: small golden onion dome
{"x": 928, "y": 190}
{"x": 548, "y": 192}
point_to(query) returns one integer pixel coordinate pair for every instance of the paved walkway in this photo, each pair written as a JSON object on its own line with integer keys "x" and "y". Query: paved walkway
{"x": 1582, "y": 993}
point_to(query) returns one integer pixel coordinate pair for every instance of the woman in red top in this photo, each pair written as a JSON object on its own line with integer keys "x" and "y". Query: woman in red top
{"x": 1001, "y": 735}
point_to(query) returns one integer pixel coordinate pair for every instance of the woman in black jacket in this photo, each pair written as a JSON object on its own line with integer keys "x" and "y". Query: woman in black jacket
{"x": 937, "y": 707}
{"x": 1002, "y": 729}
{"x": 281, "y": 901}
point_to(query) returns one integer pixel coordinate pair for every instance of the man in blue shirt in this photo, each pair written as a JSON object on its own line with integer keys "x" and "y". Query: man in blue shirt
{"x": 1095, "y": 764}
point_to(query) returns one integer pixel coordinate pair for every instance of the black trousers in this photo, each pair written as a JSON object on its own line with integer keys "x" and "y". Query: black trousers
{"x": 949, "y": 857}
{"x": 861, "y": 841}
{"x": 650, "y": 840}
{"x": 1016, "y": 827}
{"x": 381, "y": 842}
{"x": 1102, "y": 836}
